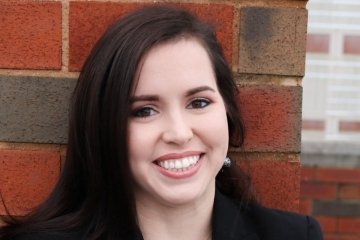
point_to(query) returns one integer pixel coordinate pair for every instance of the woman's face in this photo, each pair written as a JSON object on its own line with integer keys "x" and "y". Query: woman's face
{"x": 178, "y": 131}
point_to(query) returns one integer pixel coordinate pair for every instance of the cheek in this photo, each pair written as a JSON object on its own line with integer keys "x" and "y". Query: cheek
{"x": 139, "y": 134}
{"x": 215, "y": 130}
{"x": 142, "y": 141}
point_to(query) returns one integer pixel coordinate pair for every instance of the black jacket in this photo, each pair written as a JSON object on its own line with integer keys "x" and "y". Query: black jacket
{"x": 232, "y": 221}
{"x": 254, "y": 222}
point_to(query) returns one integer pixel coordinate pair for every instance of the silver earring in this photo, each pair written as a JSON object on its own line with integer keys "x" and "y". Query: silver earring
{"x": 227, "y": 162}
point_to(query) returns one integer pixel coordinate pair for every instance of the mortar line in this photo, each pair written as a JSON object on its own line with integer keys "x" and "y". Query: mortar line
{"x": 38, "y": 73}
{"x": 274, "y": 80}
{"x": 30, "y": 146}
{"x": 65, "y": 35}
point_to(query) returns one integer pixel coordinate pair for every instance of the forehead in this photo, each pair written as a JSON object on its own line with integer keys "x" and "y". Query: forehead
{"x": 183, "y": 62}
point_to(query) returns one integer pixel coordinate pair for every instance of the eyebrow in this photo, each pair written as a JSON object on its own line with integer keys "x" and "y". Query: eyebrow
{"x": 154, "y": 98}
{"x": 198, "y": 89}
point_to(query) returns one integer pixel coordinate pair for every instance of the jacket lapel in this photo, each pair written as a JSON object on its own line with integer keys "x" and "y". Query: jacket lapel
{"x": 229, "y": 220}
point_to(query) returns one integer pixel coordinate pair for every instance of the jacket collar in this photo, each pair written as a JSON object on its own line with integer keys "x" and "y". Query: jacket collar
{"x": 230, "y": 221}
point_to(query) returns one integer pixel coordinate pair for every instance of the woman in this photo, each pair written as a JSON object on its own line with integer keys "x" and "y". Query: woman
{"x": 152, "y": 116}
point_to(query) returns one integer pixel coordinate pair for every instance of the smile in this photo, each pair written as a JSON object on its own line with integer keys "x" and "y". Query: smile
{"x": 180, "y": 164}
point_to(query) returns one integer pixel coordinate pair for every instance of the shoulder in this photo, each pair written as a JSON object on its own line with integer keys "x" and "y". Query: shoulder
{"x": 277, "y": 224}
{"x": 236, "y": 220}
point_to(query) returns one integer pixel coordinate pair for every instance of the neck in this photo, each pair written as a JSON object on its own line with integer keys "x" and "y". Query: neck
{"x": 190, "y": 221}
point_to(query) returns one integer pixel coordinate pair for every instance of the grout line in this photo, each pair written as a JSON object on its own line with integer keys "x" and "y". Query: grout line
{"x": 65, "y": 36}
{"x": 38, "y": 73}
{"x": 236, "y": 39}
{"x": 30, "y": 146}
{"x": 262, "y": 80}
{"x": 271, "y": 4}
{"x": 264, "y": 3}
{"x": 226, "y": 2}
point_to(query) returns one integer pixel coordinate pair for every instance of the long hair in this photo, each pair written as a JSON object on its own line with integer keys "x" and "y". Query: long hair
{"x": 93, "y": 194}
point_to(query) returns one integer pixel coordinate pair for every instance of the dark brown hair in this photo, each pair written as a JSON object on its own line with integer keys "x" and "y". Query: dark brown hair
{"x": 93, "y": 194}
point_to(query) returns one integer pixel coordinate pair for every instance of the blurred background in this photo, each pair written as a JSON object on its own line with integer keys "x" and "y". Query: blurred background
{"x": 330, "y": 188}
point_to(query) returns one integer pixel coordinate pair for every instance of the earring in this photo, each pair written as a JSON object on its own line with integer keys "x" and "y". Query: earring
{"x": 227, "y": 162}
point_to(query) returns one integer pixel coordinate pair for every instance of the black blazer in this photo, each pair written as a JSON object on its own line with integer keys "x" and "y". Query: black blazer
{"x": 232, "y": 221}
{"x": 254, "y": 222}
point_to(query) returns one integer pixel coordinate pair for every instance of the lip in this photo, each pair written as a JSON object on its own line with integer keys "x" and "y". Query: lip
{"x": 170, "y": 156}
{"x": 181, "y": 174}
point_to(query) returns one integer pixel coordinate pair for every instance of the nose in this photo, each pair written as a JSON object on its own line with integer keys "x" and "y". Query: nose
{"x": 177, "y": 130}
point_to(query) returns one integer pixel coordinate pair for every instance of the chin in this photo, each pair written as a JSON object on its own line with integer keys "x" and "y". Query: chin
{"x": 185, "y": 196}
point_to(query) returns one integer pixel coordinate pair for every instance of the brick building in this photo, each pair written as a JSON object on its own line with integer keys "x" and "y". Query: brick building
{"x": 330, "y": 187}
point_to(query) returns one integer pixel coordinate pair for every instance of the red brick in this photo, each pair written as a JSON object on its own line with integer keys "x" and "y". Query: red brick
{"x": 275, "y": 178}
{"x": 313, "y": 125}
{"x": 272, "y": 40}
{"x": 328, "y": 224}
{"x": 307, "y": 174}
{"x": 317, "y": 43}
{"x": 352, "y": 44}
{"x": 349, "y": 126}
{"x": 305, "y": 206}
{"x": 30, "y": 35}
{"x": 318, "y": 190}
{"x": 349, "y": 192}
{"x": 221, "y": 16}
{"x": 26, "y": 178}
{"x": 277, "y": 183}
{"x": 338, "y": 175}
{"x": 88, "y": 20}
{"x": 272, "y": 117}
{"x": 340, "y": 237}
{"x": 349, "y": 225}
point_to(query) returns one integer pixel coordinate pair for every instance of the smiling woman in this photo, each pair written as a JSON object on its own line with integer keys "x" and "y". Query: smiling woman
{"x": 181, "y": 110}
{"x": 152, "y": 117}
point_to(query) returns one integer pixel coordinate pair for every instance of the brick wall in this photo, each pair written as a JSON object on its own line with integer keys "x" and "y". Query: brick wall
{"x": 332, "y": 196}
{"x": 44, "y": 43}
{"x": 330, "y": 188}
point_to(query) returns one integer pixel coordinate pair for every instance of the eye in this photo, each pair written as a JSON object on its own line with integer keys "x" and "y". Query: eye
{"x": 198, "y": 103}
{"x": 144, "y": 112}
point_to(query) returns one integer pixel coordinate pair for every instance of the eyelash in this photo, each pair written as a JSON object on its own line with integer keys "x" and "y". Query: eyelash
{"x": 138, "y": 113}
{"x": 202, "y": 101}
{"x": 147, "y": 111}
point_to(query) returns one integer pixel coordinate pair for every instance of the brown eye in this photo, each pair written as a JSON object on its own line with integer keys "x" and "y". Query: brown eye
{"x": 144, "y": 112}
{"x": 199, "y": 103}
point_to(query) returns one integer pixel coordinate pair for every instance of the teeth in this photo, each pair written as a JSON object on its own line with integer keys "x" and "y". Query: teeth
{"x": 180, "y": 164}
{"x": 185, "y": 163}
{"x": 192, "y": 160}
